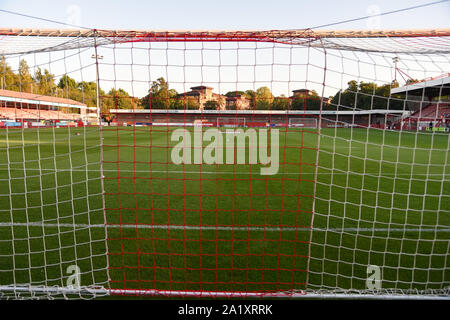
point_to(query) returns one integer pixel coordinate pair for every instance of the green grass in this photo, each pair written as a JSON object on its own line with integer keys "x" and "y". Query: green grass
{"x": 230, "y": 228}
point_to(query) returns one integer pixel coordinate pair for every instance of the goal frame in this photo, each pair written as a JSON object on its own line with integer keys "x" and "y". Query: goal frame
{"x": 234, "y": 119}
{"x": 303, "y": 122}
{"x": 300, "y": 37}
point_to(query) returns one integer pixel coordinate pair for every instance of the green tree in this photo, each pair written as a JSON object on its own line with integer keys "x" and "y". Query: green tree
{"x": 394, "y": 84}
{"x": 161, "y": 97}
{"x": 87, "y": 94}
{"x": 251, "y": 95}
{"x": 211, "y": 105}
{"x": 235, "y": 93}
{"x": 346, "y": 97}
{"x": 9, "y": 80}
{"x": 67, "y": 82}
{"x": 232, "y": 106}
{"x": 191, "y": 103}
{"x": 120, "y": 99}
{"x": 45, "y": 82}
{"x": 368, "y": 96}
{"x": 70, "y": 89}
{"x": 263, "y": 98}
{"x": 280, "y": 103}
{"x": 25, "y": 79}
{"x": 307, "y": 101}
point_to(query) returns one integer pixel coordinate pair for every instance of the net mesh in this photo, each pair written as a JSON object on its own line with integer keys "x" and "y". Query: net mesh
{"x": 121, "y": 176}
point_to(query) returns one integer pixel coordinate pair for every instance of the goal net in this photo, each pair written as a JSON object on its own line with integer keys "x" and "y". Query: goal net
{"x": 338, "y": 188}
{"x": 230, "y": 122}
{"x": 302, "y": 123}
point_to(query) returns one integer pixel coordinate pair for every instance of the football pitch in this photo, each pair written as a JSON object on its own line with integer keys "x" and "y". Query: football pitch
{"x": 341, "y": 201}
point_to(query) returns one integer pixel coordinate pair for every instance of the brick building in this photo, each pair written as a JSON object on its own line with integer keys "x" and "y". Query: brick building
{"x": 203, "y": 94}
{"x": 238, "y": 102}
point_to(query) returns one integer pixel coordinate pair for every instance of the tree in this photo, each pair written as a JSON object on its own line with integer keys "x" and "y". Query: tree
{"x": 252, "y": 97}
{"x": 87, "y": 92}
{"x": 346, "y": 97}
{"x": 25, "y": 78}
{"x": 191, "y": 103}
{"x": 280, "y": 103}
{"x": 9, "y": 80}
{"x": 67, "y": 82}
{"x": 235, "y": 93}
{"x": 232, "y": 105}
{"x": 250, "y": 93}
{"x": 263, "y": 98}
{"x": 211, "y": 105}
{"x": 161, "y": 97}
{"x": 368, "y": 96}
{"x": 45, "y": 82}
{"x": 309, "y": 100}
{"x": 70, "y": 89}
{"x": 120, "y": 99}
{"x": 394, "y": 84}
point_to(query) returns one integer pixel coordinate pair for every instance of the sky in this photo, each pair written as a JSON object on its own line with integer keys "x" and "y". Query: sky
{"x": 222, "y": 15}
{"x": 229, "y": 14}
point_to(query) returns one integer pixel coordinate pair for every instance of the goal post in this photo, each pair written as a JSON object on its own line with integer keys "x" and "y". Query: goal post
{"x": 230, "y": 122}
{"x": 302, "y": 122}
{"x": 112, "y": 202}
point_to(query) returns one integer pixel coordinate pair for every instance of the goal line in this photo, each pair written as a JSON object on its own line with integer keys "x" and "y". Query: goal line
{"x": 220, "y": 228}
{"x": 87, "y": 292}
{"x": 134, "y": 191}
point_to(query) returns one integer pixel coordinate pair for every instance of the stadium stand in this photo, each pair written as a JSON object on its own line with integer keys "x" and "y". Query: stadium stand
{"x": 431, "y": 112}
{"x": 32, "y": 107}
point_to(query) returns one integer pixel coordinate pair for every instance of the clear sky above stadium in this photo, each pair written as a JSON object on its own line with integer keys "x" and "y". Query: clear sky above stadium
{"x": 230, "y": 14}
{"x": 224, "y": 15}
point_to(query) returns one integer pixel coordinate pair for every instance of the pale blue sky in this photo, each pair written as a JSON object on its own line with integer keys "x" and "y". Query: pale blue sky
{"x": 229, "y": 14}
{"x": 226, "y": 15}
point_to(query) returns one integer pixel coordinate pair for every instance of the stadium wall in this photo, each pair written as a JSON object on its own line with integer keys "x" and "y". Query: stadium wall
{"x": 363, "y": 118}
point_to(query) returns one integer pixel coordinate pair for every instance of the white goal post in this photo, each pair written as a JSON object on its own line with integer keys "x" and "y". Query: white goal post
{"x": 302, "y": 122}
{"x": 231, "y": 122}
{"x": 359, "y": 206}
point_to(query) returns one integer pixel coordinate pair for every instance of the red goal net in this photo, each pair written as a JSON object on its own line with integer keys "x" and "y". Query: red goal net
{"x": 223, "y": 164}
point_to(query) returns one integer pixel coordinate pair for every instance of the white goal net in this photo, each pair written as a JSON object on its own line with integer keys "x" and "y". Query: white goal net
{"x": 302, "y": 123}
{"x": 92, "y": 202}
{"x": 230, "y": 122}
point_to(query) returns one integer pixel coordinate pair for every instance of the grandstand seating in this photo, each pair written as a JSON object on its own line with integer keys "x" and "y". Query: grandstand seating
{"x": 432, "y": 111}
{"x": 35, "y": 114}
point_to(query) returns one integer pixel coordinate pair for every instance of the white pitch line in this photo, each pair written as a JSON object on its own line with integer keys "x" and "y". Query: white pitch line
{"x": 217, "y": 228}
{"x": 226, "y": 172}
